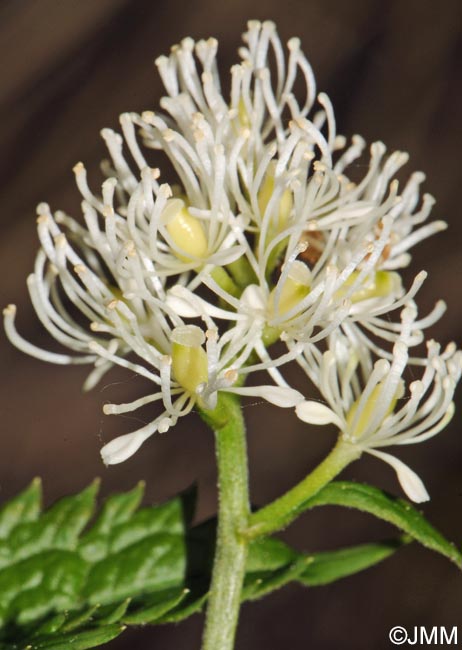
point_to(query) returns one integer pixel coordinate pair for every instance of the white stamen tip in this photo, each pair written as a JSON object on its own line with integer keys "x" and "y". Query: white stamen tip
{"x": 9, "y": 310}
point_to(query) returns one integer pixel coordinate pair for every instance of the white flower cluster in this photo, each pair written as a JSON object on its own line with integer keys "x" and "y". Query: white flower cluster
{"x": 262, "y": 237}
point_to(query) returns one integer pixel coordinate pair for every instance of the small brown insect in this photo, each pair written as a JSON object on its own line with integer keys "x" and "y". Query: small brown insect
{"x": 385, "y": 254}
{"x": 315, "y": 241}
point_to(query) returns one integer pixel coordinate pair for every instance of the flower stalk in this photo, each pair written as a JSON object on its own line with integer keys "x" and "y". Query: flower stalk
{"x": 281, "y": 512}
{"x": 233, "y": 513}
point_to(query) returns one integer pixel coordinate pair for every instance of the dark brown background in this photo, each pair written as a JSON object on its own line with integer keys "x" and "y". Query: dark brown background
{"x": 68, "y": 68}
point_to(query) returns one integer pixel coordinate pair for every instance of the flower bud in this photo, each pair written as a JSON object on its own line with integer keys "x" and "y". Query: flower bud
{"x": 242, "y": 114}
{"x": 282, "y": 211}
{"x": 367, "y": 411}
{"x": 380, "y": 284}
{"x": 295, "y": 288}
{"x": 189, "y": 359}
{"x": 185, "y": 230}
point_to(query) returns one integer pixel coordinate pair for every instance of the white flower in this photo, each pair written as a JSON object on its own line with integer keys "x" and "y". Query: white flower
{"x": 171, "y": 233}
{"x": 190, "y": 376}
{"x": 286, "y": 179}
{"x": 261, "y": 236}
{"x": 371, "y": 403}
{"x": 111, "y": 282}
{"x": 261, "y": 185}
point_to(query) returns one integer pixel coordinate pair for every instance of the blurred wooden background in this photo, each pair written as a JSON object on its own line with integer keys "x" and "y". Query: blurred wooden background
{"x": 67, "y": 69}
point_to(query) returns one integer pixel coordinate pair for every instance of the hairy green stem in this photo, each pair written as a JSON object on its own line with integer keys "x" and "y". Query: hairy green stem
{"x": 281, "y": 512}
{"x": 233, "y": 514}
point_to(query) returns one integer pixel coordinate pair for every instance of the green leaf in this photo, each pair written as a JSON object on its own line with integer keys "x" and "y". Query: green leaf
{"x": 192, "y": 604}
{"x": 48, "y": 582}
{"x": 396, "y": 511}
{"x": 329, "y": 566}
{"x": 64, "y": 584}
{"x": 154, "y": 563}
{"x": 109, "y": 614}
{"x": 22, "y": 509}
{"x": 269, "y": 554}
{"x": 259, "y": 585}
{"x": 117, "y": 509}
{"x": 156, "y": 607}
{"x": 59, "y": 527}
{"x": 51, "y": 625}
{"x": 73, "y": 622}
{"x": 77, "y": 641}
{"x": 272, "y": 564}
{"x": 73, "y": 579}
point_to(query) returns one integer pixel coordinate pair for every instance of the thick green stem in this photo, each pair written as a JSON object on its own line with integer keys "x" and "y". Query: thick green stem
{"x": 233, "y": 514}
{"x": 281, "y": 512}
